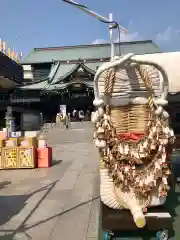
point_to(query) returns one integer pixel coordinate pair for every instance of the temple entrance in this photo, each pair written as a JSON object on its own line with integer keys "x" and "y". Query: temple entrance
{"x": 75, "y": 96}
{"x": 75, "y": 91}
{"x": 80, "y": 103}
{"x": 79, "y": 97}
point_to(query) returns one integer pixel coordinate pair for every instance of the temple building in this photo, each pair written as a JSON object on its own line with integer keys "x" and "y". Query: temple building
{"x": 57, "y": 76}
{"x": 11, "y": 77}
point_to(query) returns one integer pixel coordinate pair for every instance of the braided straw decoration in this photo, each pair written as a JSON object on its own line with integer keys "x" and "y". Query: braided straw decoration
{"x": 128, "y": 80}
{"x": 130, "y": 118}
{"x": 144, "y": 75}
{"x": 109, "y": 77}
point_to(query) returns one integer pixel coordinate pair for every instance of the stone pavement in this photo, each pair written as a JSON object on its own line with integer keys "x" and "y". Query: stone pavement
{"x": 59, "y": 203}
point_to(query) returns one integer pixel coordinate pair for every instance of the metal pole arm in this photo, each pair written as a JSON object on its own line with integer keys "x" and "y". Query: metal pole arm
{"x": 85, "y": 9}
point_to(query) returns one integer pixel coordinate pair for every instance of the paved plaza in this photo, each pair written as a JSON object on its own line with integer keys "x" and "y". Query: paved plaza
{"x": 62, "y": 202}
{"x": 58, "y": 203}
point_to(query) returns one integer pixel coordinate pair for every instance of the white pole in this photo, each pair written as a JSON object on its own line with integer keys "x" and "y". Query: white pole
{"x": 112, "y": 24}
{"x": 111, "y": 36}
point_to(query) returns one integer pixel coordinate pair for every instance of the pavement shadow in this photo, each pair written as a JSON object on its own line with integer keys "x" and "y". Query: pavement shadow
{"x": 173, "y": 201}
{"x": 11, "y": 205}
{"x": 56, "y": 162}
{"x": 4, "y": 184}
{"x": 173, "y": 207}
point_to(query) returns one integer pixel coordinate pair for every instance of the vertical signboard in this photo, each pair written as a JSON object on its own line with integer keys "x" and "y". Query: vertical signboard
{"x": 63, "y": 109}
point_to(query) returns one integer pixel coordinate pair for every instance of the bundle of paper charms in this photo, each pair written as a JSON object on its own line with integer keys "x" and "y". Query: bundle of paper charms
{"x": 132, "y": 133}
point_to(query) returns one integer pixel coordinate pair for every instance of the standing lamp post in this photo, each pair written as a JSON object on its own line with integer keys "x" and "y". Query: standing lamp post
{"x": 112, "y": 24}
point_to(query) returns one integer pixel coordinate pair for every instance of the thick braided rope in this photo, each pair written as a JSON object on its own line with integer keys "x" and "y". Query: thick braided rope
{"x": 148, "y": 83}
{"x": 109, "y": 77}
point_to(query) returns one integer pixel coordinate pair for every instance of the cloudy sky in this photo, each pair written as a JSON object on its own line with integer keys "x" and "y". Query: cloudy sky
{"x": 41, "y": 23}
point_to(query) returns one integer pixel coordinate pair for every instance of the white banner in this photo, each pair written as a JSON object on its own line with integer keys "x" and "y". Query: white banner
{"x": 63, "y": 109}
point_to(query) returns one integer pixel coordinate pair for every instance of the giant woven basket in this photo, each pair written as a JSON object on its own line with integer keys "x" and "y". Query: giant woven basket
{"x": 132, "y": 133}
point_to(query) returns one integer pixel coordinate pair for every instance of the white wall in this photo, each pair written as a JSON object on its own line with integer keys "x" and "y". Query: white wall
{"x": 28, "y": 73}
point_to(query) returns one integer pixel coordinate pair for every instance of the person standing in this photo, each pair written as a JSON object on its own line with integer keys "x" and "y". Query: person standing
{"x": 74, "y": 112}
{"x": 69, "y": 120}
{"x": 57, "y": 118}
{"x": 61, "y": 117}
{"x": 81, "y": 115}
{"x": 66, "y": 121}
{"x": 88, "y": 114}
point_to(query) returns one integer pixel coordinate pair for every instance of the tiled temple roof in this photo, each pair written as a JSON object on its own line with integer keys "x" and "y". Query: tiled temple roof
{"x": 68, "y": 59}
{"x": 58, "y": 74}
{"x": 85, "y": 52}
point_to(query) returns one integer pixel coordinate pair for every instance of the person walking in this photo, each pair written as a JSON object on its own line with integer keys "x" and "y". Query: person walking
{"x": 66, "y": 121}
{"x": 81, "y": 115}
{"x": 74, "y": 113}
{"x": 57, "y": 118}
{"x": 69, "y": 120}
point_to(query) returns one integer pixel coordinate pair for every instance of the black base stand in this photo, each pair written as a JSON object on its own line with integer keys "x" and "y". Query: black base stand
{"x": 119, "y": 224}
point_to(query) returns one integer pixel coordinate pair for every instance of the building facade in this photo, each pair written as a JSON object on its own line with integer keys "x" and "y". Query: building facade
{"x": 11, "y": 77}
{"x": 64, "y": 75}
{"x": 11, "y": 73}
